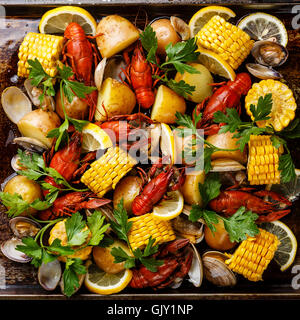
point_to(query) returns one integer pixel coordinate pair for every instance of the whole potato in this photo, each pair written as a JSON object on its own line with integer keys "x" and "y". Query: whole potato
{"x": 114, "y": 98}
{"x": 226, "y": 141}
{"x": 165, "y": 34}
{"x": 219, "y": 239}
{"x": 28, "y": 189}
{"x": 115, "y": 34}
{"x": 201, "y": 81}
{"x": 190, "y": 189}
{"x": 167, "y": 103}
{"x": 105, "y": 260}
{"x": 37, "y": 123}
{"x": 77, "y": 109}
{"x": 127, "y": 189}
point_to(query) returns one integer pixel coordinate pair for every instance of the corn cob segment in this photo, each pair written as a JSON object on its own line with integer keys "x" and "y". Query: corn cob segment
{"x": 253, "y": 255}
{"x": 107, "y": 171}
{"x": 263, "y": 161}
{"x": 45, "y": 47}
{"x": 231, "y": 43}
{"x": 145, "y": 226}
{"x": 283, "y": 103}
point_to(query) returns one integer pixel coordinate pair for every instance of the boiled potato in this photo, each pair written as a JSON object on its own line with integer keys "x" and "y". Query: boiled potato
{"x": 105, "y": 260}
{"x": 218, "y": 240}
{"x": 127, "y": 189}
{"x": 37, "y": 123}
{"x": 114, "y": 98}
{"x": 28, "y": 189}
{"x": 201, "y": 81}
{"x": 190, "y": 189}
{"x": 165, "y": 34}
{"x": 226, "y": 141}
{"x": 166, "y": 104}
{"x": 77, "y": 109}
{"x": 115, "y": 34}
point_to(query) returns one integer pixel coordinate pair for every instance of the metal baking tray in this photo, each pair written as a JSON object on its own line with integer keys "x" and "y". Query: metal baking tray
{"x": 19, "y": 281}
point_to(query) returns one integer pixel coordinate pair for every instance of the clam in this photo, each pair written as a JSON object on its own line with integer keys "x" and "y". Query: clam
{"x": 7, "y": 179}
{"x": 49, "y": 275}
{"x": 187, "y": 210}
{"x": 113, "y": 68}
{"x": 225, "y": 165}
{"x": 80, "y": 278}
{"x": 269, "y": 53}
{"x": 14, "y": 163}
{"x": 31, "y": 144}
{"x": 180, "y": 27}
{"x": 24, "y": 227}
{"x": 263, "y": 72}
{"x": 99, "y": 72}
{"x": 8, "y": 249}
{"x": 34, "y": 93}
{"x": 15, "y": 103}
{"x": 196, "y": 271}
{"x": 188, "y": 229}
{"x": 215, "y": 269}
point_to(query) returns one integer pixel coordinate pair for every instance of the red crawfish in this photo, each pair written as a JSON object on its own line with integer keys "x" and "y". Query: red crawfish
{"x": 228, "y": 95}
{"x": 83, "y": 57}
{"x": 229, "y": 201}
{"x": 177, "y": 260}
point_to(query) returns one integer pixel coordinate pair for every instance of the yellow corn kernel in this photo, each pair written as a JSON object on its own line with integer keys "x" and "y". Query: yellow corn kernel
{"x": 107, "y": 171}
{"x": 253, "y": 255}
{"x": 46, "y": 48}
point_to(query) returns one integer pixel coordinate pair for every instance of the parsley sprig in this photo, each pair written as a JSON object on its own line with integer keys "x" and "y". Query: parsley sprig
{"x": 121, "y": 227}
{"x": 244, "y": 130}
{"x": 68, "y": 88}
{"x": 238, "y": 226}
{"x": 177, "y": 56}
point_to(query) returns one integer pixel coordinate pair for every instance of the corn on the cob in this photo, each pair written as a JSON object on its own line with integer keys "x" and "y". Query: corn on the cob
{"x": 107, "y": 171}
{"x": 46, "y": 48}
{"x": 231, "y": 43}
{"x": 145, "y": 226}
{"x": 253, "y": 255}
{"x": 263, "y": 161}
{"x": 283, "y": 107}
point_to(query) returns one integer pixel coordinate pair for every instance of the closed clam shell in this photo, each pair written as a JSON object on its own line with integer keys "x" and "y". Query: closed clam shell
{"x": 196, "y": 271}
{"x": 24, "y": 227}
{"x": 8, "y": 248}
{"x": 49, "y": 275}
{"x": 216, "y": 271}
{"x": 15, "y": 103}
{"x": 263, "y": 72}
{"x": 31, "y": 144}
{"x": 221, "y": 165}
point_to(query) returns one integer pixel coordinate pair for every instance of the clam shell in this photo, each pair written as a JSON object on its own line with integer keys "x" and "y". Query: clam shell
{"x": 49, "y": 275}
{"x": 81, "y": 279}
{"x": 34, "y": 93}
{"x": 3, "y": 184}
{"x": 113, "y": 68}
{"x": 8, "y": 248}
{"x": 225, "y": 165}
{"x": 216, "y": 271}
{"x": 15, "y": 103}
{"x": 196, "y": 271}
{"x": 186, "y": 228}
{"x": 24, "y": 227}
{"x": 262, "y": 72}
{"x": 269, "y": 53}
{"x": 180, "y": 27}
{"x": 31, "y": 144}
{"x": 99, "y": 73}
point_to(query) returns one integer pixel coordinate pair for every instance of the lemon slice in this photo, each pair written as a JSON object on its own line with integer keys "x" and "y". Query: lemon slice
{"x": 94, "y": 138}
{"x": 202, "y": 16}
{"x": 56, "y": 20}
{"x": 287, "y": 249}
{"x": 263, "y": 26}
{"x": 167, "y": 144}
{"x": 98, "y": 281}
{"x": 215, "y": 64}
{"x": 169, "y": 208}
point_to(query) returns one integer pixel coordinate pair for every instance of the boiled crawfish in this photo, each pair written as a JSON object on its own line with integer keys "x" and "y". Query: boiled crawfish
{"x": 139, "y": 75}
{"x": 83, "y": 57}
{"x": 156, "y": 188}
{"x": 227, "y": 96}
{"x": 229, "y": 201}
{"x": 177, "y": 260}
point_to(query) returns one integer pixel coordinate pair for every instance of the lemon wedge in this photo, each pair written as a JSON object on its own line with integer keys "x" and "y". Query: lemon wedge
{"x": 215, "y": 64}
{"x": 201, "y": 17}
{"x": 167, "y": 144}
{"x": 287, "y": 249}
{"x": 169, "y": 208}
{"x": 98, "y": 281}
{"x": 94, "y": 138}
{"x": 56, "y": 20}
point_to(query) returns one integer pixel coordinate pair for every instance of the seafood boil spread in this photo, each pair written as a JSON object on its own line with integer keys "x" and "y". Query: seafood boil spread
{"x": 151, "y": 158}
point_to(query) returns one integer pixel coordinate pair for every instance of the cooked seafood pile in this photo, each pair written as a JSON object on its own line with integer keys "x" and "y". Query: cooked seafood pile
{"x": 135, "y": 146}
